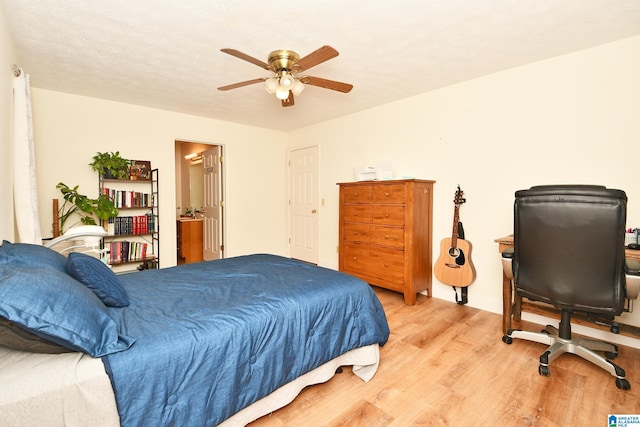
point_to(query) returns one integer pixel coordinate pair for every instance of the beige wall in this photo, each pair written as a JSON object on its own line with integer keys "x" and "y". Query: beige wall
{"x": 70, "y": 129}
{"x": 7, "y": 59}
{"x": 570, "y": 119}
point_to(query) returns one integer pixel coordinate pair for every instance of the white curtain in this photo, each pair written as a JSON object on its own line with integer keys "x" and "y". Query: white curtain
{"x": 25, "y": 196}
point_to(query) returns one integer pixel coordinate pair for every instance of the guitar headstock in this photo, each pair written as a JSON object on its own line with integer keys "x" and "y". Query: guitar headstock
{"x": 458, "y": 199}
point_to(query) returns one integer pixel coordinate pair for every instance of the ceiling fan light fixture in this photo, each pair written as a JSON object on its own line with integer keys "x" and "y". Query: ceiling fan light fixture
{"x": 287, "y": 80}
{"x": 271, "y": 85}
{"x": 282, "y": 92}
{"x": 298, "y": 87}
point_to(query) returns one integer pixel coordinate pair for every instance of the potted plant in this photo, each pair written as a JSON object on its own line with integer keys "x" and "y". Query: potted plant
{"x": 111, "y": 165}
{"x": 88, "y": 209}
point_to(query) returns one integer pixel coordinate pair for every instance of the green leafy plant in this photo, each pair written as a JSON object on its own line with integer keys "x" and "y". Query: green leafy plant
{"x": 193, "y": 212}
{"x": 111, "y": 164}
{"x": 86, "y": 208}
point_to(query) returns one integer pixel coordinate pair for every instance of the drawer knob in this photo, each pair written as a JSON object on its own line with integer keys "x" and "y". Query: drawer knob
{"x": 386, "y": 264}
{"x": 355, "y": 258}
{"x": 387, "y": 236}
{"x": 386, "y": 215}
{"x": 386, "y": 194}
{"x": 355, "y": 233}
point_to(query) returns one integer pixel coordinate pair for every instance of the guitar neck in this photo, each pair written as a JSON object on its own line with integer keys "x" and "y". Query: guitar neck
{"x": 454, "y": 233}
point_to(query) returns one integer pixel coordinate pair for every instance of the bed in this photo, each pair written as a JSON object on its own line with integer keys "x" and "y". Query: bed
{"x": 214, "y": 343}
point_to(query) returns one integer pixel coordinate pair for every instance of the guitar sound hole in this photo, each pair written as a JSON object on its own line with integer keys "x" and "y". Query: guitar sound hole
{"x": 458, "y": 255}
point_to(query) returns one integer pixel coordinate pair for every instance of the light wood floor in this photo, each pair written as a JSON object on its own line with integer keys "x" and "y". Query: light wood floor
{"x": 446, "y": 364}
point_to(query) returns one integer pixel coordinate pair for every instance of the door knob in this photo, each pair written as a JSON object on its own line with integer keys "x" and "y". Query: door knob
{"x": 313, "y": 211}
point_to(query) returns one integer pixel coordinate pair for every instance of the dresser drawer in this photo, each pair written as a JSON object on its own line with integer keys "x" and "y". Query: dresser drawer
{"x": 377, "y": 266}
{"x": 387, "y": 236}
{"x": 356, "y": 213}
{"x": 391, "y": 193}
{"x": 357, "y": 194}
{"x": 356, "y": 233}
{"x": 387, "y": 215}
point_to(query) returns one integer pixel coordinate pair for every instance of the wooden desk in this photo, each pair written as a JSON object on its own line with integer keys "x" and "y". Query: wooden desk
{"x": 512, "y": 303}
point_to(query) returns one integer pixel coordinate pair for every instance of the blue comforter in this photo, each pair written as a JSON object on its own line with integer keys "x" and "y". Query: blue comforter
{"x": 214, "y": 337}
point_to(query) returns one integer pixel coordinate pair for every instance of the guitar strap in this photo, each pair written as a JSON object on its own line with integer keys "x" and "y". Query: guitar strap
{"x": 463, "y": 295}
{"x": 460, "y": 230}
{"x": 463, "y": 289}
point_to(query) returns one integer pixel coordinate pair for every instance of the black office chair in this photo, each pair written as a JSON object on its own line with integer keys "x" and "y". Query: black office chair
{"x": 569, "y": 252}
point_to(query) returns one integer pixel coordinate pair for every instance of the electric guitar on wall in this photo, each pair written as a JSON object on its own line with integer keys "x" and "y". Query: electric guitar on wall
{"x": 454, "y": 266}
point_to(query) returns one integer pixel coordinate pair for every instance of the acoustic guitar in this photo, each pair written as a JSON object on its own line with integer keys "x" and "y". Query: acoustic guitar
{"x": 454, "y": 266}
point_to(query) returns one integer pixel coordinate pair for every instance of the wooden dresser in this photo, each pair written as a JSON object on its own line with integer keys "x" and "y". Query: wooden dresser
{"x": 386, "y": 234}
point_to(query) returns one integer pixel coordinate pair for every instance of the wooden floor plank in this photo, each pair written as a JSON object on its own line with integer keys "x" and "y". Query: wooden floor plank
{"x": 446, "y": 365}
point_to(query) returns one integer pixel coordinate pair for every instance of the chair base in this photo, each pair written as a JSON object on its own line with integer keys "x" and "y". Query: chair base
{"x": 583, "y": 347}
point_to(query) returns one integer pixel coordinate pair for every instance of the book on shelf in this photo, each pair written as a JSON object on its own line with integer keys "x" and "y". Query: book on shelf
{"x": 126, "y": 251}
{"x": 128, "y": 198}
{"x": 128, "y": 225}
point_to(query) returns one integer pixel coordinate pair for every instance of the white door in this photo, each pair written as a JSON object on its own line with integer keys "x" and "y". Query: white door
{"x": 212, "y": 200}
{"x": 304, "y": 204}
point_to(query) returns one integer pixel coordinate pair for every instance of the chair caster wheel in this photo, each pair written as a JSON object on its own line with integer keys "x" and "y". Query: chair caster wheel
{"x": 615, "y": 328}
{"x": 544, "y": 370}
{"x": 507, "y": 339}
{"x": 610, "y": 355}
{"x": 622, "y": 384}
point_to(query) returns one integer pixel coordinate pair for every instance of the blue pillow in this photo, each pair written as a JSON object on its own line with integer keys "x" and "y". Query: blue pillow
{"x": 30, "y": 255}
{"x": 54, "y": 306}
{"x": 99, "y": 278}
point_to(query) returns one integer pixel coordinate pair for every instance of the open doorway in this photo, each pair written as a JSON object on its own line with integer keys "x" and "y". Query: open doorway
{"x": 199, "y": 202}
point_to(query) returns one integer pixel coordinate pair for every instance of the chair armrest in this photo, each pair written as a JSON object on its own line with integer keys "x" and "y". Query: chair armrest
{"x": 507, "y": 260}
{"x": 632, "y": 273}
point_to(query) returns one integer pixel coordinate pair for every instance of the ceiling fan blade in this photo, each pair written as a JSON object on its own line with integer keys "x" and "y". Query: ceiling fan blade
{"x": 316, "y": 57}
{"x": 240, "y": 84}
{"x": 289, "y": 101}
{"x": 327, "y": 84}
{"x": 247, "y": 58}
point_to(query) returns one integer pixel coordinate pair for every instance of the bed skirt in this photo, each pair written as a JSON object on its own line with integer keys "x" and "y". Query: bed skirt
{"x": 365, "y": 364}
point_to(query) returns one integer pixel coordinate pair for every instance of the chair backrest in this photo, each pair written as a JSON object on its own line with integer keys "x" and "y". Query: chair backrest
{"x": 569, "y": 246}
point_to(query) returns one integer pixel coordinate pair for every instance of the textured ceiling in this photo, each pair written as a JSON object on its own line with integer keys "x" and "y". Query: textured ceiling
{"x": 166, "y": 54}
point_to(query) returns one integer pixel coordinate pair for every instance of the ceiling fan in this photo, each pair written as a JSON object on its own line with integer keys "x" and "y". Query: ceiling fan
{"x": 286, "y": 64}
